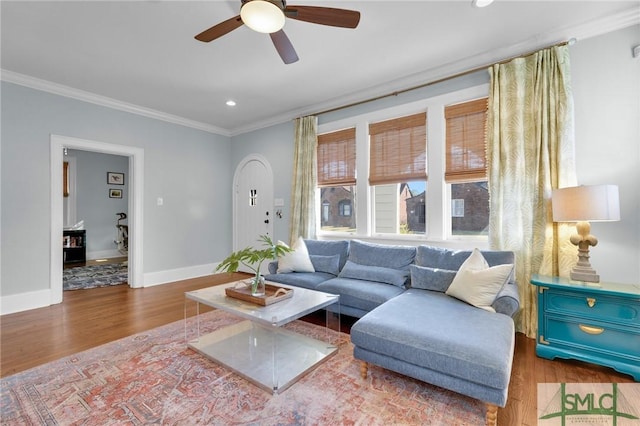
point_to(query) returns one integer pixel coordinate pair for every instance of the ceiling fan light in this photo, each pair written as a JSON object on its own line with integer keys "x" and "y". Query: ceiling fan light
{"x": 262, "y": 16}
{"x": 481, "y": 3}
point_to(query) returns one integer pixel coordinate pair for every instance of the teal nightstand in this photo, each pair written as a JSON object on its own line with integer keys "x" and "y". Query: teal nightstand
{"x": 592, "y": 322}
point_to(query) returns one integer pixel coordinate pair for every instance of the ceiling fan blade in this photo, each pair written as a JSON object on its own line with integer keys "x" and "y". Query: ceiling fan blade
{"x": 284, "y": 47}
{"x": 324, "y": 15}
{"x": 220, "y": 29}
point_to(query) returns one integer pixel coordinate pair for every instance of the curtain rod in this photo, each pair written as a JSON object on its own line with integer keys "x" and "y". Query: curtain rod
{"x": 440, "y": 80}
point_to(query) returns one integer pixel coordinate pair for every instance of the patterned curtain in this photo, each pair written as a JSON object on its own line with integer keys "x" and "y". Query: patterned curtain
{"x": 303, "y": 218}
{"x": 530, "y": 151}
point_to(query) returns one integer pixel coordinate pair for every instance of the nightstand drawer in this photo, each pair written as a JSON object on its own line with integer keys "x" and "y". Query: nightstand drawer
{"x": 593, "y": 307}
{"x": 593, "y": 336}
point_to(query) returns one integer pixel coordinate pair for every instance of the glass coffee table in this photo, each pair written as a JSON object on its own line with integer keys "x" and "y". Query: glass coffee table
{"x": 260, "y": 349}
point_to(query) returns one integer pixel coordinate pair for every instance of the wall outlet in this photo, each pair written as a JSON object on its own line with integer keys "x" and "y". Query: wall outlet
{"x": 278, "y": 202}
{"x": 160, "y": 201}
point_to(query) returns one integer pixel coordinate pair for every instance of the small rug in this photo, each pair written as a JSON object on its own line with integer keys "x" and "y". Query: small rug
{"x": 92, "y": 276}
{"x": 152, "y": 378}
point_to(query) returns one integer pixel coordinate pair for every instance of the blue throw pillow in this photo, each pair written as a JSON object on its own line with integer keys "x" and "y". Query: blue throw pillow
{"x": 431, "y": 278}
{"x": 378, "y": 274}
{"x": 328, "y": 264}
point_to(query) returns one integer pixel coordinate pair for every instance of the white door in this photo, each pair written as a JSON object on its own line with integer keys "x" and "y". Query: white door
{"x": 252, "y": 202}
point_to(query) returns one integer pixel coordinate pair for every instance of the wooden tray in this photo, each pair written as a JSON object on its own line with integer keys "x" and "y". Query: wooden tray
{"x": 270, "y": 290}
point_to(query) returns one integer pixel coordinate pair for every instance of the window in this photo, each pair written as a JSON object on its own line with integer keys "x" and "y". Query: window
{"x": 423, "y": 164}
{"x": 337, "y": 180}
{"x": 345, "y": 207}
{"x": 466, "y": 169}
{"x": 398, "y": 174}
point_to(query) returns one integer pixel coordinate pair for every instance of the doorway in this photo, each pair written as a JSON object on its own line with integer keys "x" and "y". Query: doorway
{"x": 135, "y": 206}
{"x": 252, "y": 201}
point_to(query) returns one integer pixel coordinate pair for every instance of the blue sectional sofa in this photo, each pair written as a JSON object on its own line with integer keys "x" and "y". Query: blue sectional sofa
{"x": 409, "y": 322}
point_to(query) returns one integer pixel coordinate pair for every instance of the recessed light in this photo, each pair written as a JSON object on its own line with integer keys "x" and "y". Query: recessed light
{"x": 481, "y": 3}
{"x": 231, "y": 103}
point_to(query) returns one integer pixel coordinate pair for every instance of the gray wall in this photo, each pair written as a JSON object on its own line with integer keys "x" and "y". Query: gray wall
{"x": 94, "y": 206}
{"x": 189, "y": 168}
{"x": 606, "y": 87}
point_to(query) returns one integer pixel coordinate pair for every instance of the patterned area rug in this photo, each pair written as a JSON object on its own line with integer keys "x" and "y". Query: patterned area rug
{"x": 153, "y": 378}
{"x": 92, "y": 276}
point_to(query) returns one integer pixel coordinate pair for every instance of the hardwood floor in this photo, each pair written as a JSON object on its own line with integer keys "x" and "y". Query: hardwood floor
{"x": 88, "y": 318}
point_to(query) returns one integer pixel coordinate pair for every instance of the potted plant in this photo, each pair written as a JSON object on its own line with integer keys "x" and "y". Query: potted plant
{"x": 252, "y": 258}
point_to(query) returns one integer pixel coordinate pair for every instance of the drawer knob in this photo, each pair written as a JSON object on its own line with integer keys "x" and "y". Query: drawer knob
{"x": 590, "y": 329}
{"x": 591, "y": 301}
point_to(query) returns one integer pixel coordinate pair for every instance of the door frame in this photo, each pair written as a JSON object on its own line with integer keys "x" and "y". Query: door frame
{"x": 236, "y": 178}
{"x": 136, "y": 204}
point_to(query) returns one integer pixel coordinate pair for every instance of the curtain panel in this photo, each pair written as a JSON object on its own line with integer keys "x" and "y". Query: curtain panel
{"x": 530, "y": 151}
{"x": 304, "y": 181}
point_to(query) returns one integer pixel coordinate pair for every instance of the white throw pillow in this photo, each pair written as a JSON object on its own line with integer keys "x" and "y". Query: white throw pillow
{"x": 478, "y": 284}
{"x": 296, "y": 261}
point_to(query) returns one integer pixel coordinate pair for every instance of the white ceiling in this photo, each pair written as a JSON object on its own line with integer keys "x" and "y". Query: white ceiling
{"x": 142, "y": 55}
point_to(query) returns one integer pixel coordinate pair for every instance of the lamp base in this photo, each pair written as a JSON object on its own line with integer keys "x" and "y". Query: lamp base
{"x": 581, "y": 273}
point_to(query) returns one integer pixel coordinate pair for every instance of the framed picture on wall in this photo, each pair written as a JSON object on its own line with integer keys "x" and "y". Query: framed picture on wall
{"x": 115, "y": 193}
{"x": 114, "y": 178}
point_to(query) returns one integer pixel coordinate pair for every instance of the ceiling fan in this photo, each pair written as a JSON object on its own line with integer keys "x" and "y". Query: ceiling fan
{"x": 268, "y": 16}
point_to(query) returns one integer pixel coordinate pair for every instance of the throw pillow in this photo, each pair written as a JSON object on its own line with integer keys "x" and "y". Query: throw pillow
{"x": 431, "y": 278}
{"x": 297, "y": 260}
{"x": 478, "y": 284}
{"x": 327, "y": 264}
{"x": 378, "y": 274}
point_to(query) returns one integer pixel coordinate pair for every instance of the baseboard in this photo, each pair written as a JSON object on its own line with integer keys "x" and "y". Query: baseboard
{"x": 24, "y": 301}
{"x": 103, "y": 254}
{"x": 171, "y": 275}
{"x": 42, "y": 298}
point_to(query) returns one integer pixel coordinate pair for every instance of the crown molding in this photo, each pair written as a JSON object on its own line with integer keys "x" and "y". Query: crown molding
{"x": 584, "y": 31}
{"x": 596, "y": 27}
{"x": 84, "y": 96}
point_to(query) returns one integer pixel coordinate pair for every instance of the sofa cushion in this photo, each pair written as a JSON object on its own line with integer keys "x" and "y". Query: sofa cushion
{"x": 431, "y": 278}
{"x": 374, "y": 273}
{"x": 387, "y": 256}
{"x": 329, "y": 248}
{"x": 440, "y": 333}
{"x": 297, "y": 260}
{"x": 438, "y": 257}
{"x": 478, "y": 284}
{"x": 308, "y": 280}
{"x": 365, "y": 295}
{"x": 327, "y": 264}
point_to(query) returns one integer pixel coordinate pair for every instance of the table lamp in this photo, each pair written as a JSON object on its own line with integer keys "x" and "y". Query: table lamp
{"x": 584, "y": 204}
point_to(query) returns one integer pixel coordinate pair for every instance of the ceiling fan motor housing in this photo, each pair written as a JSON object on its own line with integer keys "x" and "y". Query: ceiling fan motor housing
{"x": 280, "y": 3}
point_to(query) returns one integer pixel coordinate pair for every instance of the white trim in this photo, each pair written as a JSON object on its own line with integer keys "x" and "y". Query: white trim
{"x": 136, "y": 191}
{"x": 103, "y": 254}
{"x": 84, "y": 96}
{"x": 24, "y": 301}
{"x": 590, "y": 29}
{"x": 178, "y": 274}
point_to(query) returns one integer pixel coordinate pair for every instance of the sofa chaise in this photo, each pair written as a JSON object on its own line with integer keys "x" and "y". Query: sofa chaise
{"x": 411, "y": 320}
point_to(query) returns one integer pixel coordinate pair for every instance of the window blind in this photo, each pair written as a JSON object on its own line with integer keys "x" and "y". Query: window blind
{"x": 337, "y": 158}
{"x": 398, "y": 150}
{"x": 466, "y": 142}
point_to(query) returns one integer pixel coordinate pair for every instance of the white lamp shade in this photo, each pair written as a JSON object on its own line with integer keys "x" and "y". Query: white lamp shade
{"x": 588, "y": 203}
{"x": 262, "y": 16}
